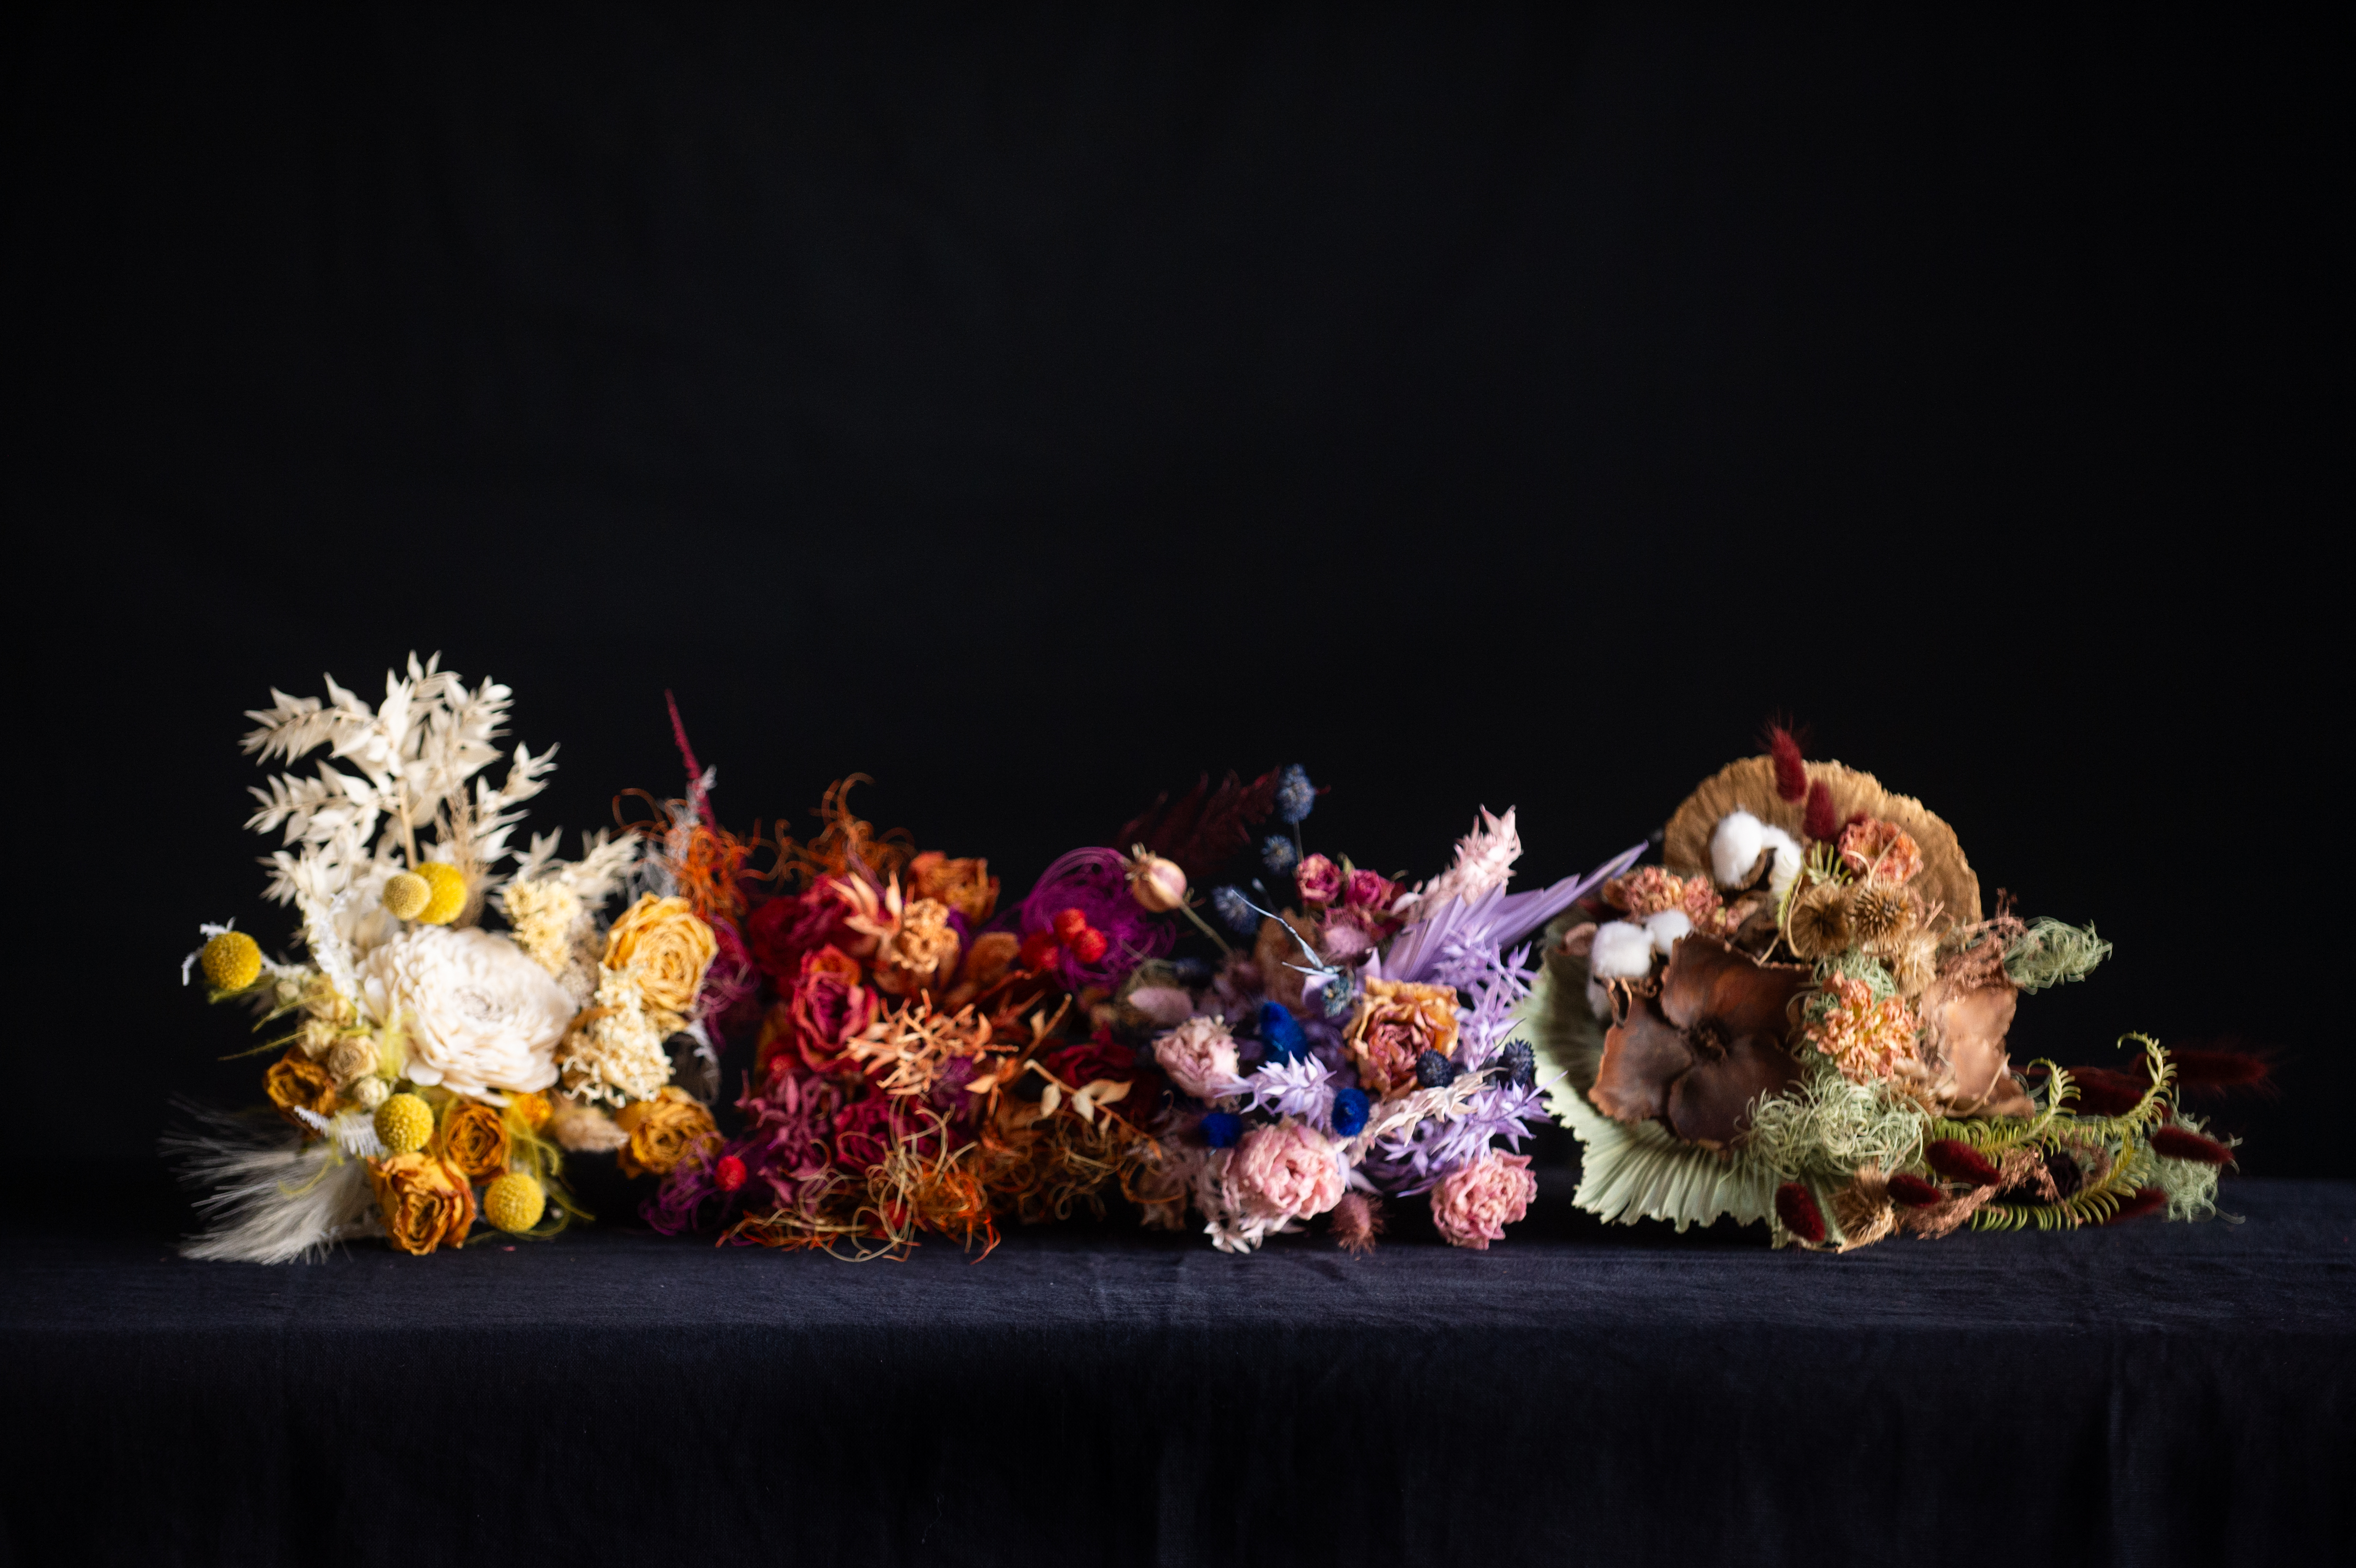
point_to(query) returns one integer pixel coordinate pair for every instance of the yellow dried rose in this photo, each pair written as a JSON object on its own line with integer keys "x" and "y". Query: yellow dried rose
{"x": 667, "y": 948}
{"x": 1398, "y": 1021}
{"x": 663, "y": 1131}
{"x": 475, "y": 1140}
{"x": 294, "y": 1082}
{"x": 423, "y": 1203}
{"x": 533, "y": 1110}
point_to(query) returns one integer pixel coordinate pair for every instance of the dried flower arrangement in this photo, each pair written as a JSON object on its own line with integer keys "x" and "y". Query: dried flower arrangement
{"x": 1800, "y": 1018}
{"x": 1356, "y": 1044}
{"x": 432, "y": 1072}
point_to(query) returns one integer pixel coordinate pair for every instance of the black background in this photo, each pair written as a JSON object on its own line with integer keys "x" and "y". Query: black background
{"x": 1033, "y": 408}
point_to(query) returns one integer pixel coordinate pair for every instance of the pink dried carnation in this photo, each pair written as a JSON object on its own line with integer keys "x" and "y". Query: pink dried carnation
{"x": 1701, "y": 904}
{"x": 1473, "y": 1204}
{"x": 1881, "y": 849}
{"x": 1647, "y": 890}
{"x": 1319, "y": 880}
{"x": 1867, "y": 1040}
{"x": 1199, "y": 1055}
{"x": 1289, "y": 1171}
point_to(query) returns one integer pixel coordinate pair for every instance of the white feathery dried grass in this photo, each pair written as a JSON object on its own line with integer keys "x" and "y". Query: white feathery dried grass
{"x": 274, "y": 1198}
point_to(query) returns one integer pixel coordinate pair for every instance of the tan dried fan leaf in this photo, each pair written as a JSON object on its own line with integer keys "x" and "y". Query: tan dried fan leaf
{"x": 1946, "y": 878}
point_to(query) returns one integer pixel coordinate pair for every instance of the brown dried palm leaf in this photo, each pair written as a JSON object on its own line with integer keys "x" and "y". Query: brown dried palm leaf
{"x": 1946, "y": 880}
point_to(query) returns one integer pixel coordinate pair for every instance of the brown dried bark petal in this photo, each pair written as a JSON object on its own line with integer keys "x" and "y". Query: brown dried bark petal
{"x": 1708, "y": 981}
{"x": 1706, "y": 1105}
{"x": 1967, "y": 1031}
{"x": 1641, "y": 1057}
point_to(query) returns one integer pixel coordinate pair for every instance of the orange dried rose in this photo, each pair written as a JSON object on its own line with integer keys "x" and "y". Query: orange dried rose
{"x": 663, "y": 1131}
{"x": 668, "y": 947}
{"x": 1397, "y": 1022}
{"x": 423, "y": 1203}
{"x": 475, "y": 1140}
{"x": 921, "y": 953}
{"x": 296, "y": 1082}
{"x": 965, "y": 886}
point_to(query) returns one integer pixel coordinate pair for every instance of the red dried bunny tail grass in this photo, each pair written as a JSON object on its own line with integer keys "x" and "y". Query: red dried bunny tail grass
{"x": 2147, "y": 1200}
{"x": 1795, "y": 1206}
{"x": 2219, "y": 1070}
{"x": 2107, "y": 1091}
{"x": 2184, "y": 1144}
{"x": 1357, "y": 1220}
{"x": 1958, "y": 1160}
{"x": 1914, "y": 1192}
{"x": 1791, "y": 767}
{"x": 1821, "y": 822}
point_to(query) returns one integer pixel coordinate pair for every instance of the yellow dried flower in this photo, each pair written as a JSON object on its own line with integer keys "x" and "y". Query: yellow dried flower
{"x": 474, "y": 1140}
{"x": 404, "y": 1124}
{"x": 663, "y": 1131}
{"x": 406, "y": 894}
{"x": 531, "y": 1110}
{"x": 449, "y": 894}
{"x": 231, "y": 961}
{"x": 668, "y": 947}
{"x": 514, "y": 1203}
{"x": 294, "y": 1082}
{"x": 423, "y": 1203}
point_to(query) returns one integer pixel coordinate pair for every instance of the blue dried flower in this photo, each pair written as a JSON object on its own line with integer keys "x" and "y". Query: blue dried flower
{"x": 1222, "y": 1128}
{"x": 1233, "y": 910}
{"x": 1278, "y": 855}
{"x": 1515, "y": 1064}
{"x": 1350, "y": 1109}
{"x": 1295, "y": 796}
{"x": 1281, "y": 1032}
{"x": 1433, "y": 1070}
{"x": 1339, "y": 995}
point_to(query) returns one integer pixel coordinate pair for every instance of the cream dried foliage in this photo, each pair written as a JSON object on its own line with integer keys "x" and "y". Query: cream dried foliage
{"x": 613, "y": 1052}
{"x": 1946, "y": 878}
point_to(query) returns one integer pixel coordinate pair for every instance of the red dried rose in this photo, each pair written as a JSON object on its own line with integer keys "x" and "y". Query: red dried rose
{"x": 1088, "y": 1061}
{"x": 1370, "y": 891}
{"x": 781, "y": 930}
{"x": 866, "y": 1131}
{"x": 829, "y": 1007}
{"x": 1710, "y": 1044}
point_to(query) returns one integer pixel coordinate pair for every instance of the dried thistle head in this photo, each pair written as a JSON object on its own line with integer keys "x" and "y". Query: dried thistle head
{"x": 1880, "y": 916}
{"x": 1913, "y": 962}
{"x": 1820, "y": 921}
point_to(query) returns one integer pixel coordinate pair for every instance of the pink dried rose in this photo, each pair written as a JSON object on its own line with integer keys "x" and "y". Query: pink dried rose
{"x": 1288, "y": 1171}
{"x": 1370, "y": 890}
{"x": 1473, "y": 1204}
{"x": 1199, "y": 1055}
{"x": 1647, "y": 890}
{"x": 1319, "y": 880}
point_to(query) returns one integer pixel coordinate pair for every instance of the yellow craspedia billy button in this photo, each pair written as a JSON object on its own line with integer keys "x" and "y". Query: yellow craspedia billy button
{"x": 405, "y": 894}
{"x": 403, "y": 1123}
{"x": 232, "y": 961}
{"x": 514, "y": 1202}
{"x": 449, "y": 894}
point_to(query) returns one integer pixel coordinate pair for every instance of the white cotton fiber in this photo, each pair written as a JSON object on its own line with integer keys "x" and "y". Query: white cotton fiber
{"x": 1734, "y": 847}
{"x": 1788, "y": 860}
{"x": 1622, "y": 952}
{"x": 1599, "y": 1001}
{"x": 1666, "y": 927}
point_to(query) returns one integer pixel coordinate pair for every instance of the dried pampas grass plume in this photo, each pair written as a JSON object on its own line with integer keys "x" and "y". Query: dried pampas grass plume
{"x": 276, "y": 1197}
{"x": 1946, "y": 881}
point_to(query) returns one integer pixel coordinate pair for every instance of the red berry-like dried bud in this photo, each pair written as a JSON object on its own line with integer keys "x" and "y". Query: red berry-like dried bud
{"x": 1914, "y": 1191}
{"x": 1795, "y": 1206}
{"x": 1791, "y": 769}
{"x": 1070, "y": 923}
{"x": 1819, "y": 823}
{"x": 1038, "y": 949}
{"x": 729, "y": 1174}
{"x": 1958, "y": 1160}
{"x": 1087, "y": 946}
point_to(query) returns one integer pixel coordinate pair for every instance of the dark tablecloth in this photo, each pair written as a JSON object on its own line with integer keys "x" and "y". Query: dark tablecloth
{"x": 2152, "y": 1393}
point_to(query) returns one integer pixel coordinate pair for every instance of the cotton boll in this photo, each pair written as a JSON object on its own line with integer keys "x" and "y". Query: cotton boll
{"x": 1734, "y": 847}
{"x": 1599, "y": 1001}
{"x": 1666, "y": 927}
{"x": 1788, "y": 860}
{"x": 1622, "y": 952}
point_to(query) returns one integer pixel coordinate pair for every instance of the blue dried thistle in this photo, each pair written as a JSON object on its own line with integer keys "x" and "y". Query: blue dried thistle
{"x": 1295, "y": 796}
{"x": 1233, "y": 910}
{"x": 1280, "y": 854}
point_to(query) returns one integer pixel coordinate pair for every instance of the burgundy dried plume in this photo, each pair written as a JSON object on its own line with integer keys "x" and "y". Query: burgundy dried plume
{"x": 2147, "y": 1200}
{"x": 1795, "y": 1206}
{"x": 1819, "y": 823}
{"x": 1958, "y": 1160}
{"x": 1206, "y": 828}
{"x": 2220, "y": 1070}
{"x": 2107, "y": 1091}
{"x": 1914, "y": 1191}
{"x": 1791, "y": 767}
{"x": 2184, "y": 1144}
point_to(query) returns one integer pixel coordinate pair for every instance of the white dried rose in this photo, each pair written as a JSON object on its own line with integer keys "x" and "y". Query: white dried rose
{"x": 478, "y": 1014}
{"x": 1199, "y": 1055}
